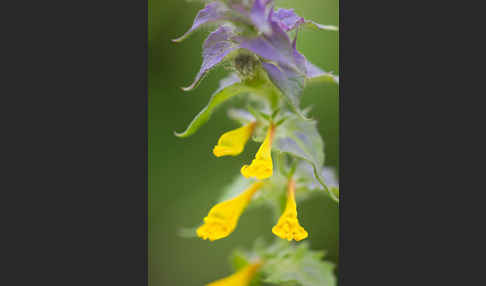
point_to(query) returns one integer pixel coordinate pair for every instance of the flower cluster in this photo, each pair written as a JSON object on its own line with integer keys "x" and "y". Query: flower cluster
{"x": 260, "y": 45}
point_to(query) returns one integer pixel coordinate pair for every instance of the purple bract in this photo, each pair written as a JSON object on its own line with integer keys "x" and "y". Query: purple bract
{"x": 285, "y": 66}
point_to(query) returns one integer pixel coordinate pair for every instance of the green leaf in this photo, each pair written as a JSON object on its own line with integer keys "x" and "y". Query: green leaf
{"x": 307, "y": 182}
{"x": 335, "y": 193}
{"x": 298, "y": 265}
{"x": 287, "y": 263}
{"x": 300, "y": 138}
{"x": 229, "y": 87}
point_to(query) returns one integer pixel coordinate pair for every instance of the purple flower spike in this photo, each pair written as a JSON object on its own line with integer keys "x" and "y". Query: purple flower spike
{"x": 216, "y": 47}
{"x": 213, "y": 12}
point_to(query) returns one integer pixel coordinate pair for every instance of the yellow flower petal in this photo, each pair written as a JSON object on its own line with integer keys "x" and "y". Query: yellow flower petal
{"x": 240, "y": 278}
{"x": 262, "y": 166}
{"x": 233, "y": 142}
{"x": 288, "y": 226}
{"x": 223, "y": 217}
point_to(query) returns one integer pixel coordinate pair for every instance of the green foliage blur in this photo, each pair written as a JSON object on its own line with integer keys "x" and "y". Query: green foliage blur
{"x": 186, "y": 179}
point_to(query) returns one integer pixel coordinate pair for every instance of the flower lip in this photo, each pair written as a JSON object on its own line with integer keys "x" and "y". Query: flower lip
{"x": 288, "y": 226}
{"x": 262, "y": 166}
{"x": 233, "y": 142}
{"x": 222, "y": 219}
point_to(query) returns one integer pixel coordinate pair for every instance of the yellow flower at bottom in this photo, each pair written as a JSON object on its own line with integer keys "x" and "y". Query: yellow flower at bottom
{"x": 288, "y": 226}
{"x": 240, "y": 278}
{"x": 223, "y": 217}
{"x": 262, "y": 166}
{"x": 233, "y": 142}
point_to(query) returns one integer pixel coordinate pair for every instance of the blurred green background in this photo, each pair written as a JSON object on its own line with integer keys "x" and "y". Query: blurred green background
{"x": 185, "y": 179}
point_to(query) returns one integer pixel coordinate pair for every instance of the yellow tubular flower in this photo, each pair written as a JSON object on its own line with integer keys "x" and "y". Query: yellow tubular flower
{"x": 223, "y": 217}
{"x": 288, "y": 226}
{"x": 240, "y": 278}
{"x": 233, "y": 142}
{"x": 261, "y": 167}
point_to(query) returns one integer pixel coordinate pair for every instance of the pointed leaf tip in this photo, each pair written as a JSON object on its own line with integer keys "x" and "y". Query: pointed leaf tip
{"x": 179, "y": 134}
{"x": 212, "y": 12}
{"x": 188, "y": 88}
{"x": 215, "y": 49}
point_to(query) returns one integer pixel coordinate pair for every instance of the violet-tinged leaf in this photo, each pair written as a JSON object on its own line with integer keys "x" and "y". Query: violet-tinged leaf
{"x": 265, "y": 49}
{"x": 315, "y": 74}
{"x": 216, "y": 47}
{"x": 301, "y": 139}
{"x": 300, "y": 60}
{"x": 275, "y": 47}
{"x": 213, "y": 12}
{"x": 259, "y": 15}
{"x": 331, "y": 186}
{"x": 287, "y": 70}
{"x": 289, "y": 20}
{"x": 288, "y": 81}
{"x": 330, "y": 176}
{"x": 314, "y": 25}
{"x": 305, "y": 171}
